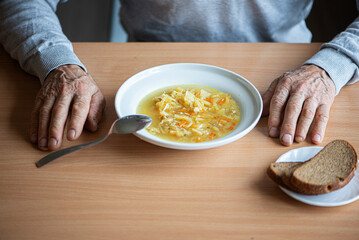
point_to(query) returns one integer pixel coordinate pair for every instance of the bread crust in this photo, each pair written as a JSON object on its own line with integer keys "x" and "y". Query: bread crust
{"x": 312, "y": 189}
{"x": 272, "y": 175}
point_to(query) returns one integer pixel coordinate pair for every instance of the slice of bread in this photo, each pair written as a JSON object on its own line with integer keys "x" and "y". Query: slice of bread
{"x": 281, "y": 172}
{"x": 332, "y": 168}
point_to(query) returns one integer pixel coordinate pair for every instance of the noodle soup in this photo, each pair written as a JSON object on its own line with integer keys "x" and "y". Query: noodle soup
{"x": 190, "y": 113}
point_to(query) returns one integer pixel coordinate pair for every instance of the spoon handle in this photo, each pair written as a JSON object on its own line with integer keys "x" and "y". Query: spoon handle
{"x": 54, "y": 155}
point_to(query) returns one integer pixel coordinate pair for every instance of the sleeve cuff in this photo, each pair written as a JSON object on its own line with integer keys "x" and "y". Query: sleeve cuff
{"x": 340, "y": 68}
{"x": 52, "y": 57}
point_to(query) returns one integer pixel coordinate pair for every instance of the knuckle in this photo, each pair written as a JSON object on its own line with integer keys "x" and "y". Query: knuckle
{"x": 65, "y": 89}
{"x": 39, "y": 97}
{"x": 79, "y": 114}
{"x": 274, "y": 122}
{"x": 278, "y": 102}
{"x": 293, "y": 106}
{"x": 307, "y": 113}
{"x": 288, "y": 127}
{"x": 55, "y": 128}
{"x": 79, "y": 106}
{"x": 302, "y": 87}
{"x": 83, "y": 87}
{"x": 44, "y": 111}
{"x": 66, "y": 85}
{"x": 323, "y": 118}
{"x": 95, "y": 111}
{"x": 286, "y": 82}
{"x": 82, "y": 84}
{"x": 76, "y": 119}
{"x": 59, "y": 108}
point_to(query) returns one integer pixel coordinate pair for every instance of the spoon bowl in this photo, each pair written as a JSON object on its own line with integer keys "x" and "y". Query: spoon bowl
{"x": 131, "y": 123}
{"x": 125, "y": 125}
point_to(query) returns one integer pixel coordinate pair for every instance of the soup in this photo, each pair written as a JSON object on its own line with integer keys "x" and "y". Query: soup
{"x": 190, "y": 113}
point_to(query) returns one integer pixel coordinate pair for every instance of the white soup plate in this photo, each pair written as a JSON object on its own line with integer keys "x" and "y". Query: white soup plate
{"x": 143, "y": 83}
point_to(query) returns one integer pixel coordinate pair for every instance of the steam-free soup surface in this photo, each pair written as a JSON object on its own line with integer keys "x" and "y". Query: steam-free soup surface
{"x": 190, "y": 113}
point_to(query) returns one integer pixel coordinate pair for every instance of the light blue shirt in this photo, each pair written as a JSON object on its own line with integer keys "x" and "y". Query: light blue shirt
{"x": 31, "y": 32}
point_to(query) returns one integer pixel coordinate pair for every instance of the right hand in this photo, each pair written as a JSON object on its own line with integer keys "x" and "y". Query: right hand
{"x": 68, "y": 92}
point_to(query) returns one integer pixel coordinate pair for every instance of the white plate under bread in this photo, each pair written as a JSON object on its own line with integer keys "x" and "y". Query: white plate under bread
{"x": 345, "y": 195}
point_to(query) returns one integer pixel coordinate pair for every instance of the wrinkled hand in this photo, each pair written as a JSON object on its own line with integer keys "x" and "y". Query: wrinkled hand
{"x": 68, "y": 91}
{"x": 296, "y": 100}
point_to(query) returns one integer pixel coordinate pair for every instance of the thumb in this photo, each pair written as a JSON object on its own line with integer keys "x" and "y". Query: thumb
{"x": 267, "y": 97}
{"x": 97, "y": 107}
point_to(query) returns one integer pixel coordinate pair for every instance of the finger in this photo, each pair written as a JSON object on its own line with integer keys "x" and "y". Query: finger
{"x": 277, "y": 106}
{"x": 305, "y": 119}
{"x": 267, "y": 96}
{"x": 44, "y": 122}
{"x": 80, "y": 109}
{"x": 292, "y": 112}
{"x": 59, "y": 115}
{"x": 320, "y": 123}
{"x": 97, "y": 106}
{"x": 34, "y": 120}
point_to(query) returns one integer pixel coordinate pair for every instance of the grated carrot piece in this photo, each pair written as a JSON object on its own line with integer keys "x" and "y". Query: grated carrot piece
{"x": 209, "y": 100}
{"x": 184, "y": 111}
{"x": 220, "y": 102}
{"x": 182, "y": 123}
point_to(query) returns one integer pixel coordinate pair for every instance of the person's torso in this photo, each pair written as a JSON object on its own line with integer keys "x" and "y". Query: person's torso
{"x": 216, "y": 20}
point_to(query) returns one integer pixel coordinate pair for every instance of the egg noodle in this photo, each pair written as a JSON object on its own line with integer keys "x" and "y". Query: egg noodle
{"x": 190, "y": 114}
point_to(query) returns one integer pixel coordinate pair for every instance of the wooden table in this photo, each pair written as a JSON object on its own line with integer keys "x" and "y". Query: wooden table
{"x": 126, "y": 188}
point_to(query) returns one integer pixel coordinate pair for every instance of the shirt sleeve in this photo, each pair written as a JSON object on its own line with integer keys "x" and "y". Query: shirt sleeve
{"x": 31, "y": 33}
{"x": 340, "y": 57}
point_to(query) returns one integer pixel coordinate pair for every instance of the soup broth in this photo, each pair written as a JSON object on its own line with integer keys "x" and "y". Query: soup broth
{"x": 190, "y": 114}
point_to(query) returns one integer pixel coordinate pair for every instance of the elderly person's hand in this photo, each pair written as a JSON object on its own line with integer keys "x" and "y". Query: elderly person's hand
{"x": 68, "y": 91}
{"x": 297, "y": 100}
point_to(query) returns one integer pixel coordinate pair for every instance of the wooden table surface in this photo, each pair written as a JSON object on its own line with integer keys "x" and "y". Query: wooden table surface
{"x": 126, "y": 188}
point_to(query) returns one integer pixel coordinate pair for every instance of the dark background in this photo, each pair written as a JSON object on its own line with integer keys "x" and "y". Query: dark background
{"x": 92, "y": 20}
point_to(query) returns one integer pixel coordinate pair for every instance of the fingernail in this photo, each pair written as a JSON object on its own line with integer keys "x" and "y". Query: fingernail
{"x": 287, "y": 139}
{"x": 317, "y": 138}
{"x": 33, "y": 138}
{"x": 299, "y": 139}
{"x": 273, "y": 132}
{"x": 71, "y": 134}
{"x": 43, "y": 143}
{"x": 52, "y": 142}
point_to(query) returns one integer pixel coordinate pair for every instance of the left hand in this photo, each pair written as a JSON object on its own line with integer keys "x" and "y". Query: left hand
{"x": 297, "y": 99}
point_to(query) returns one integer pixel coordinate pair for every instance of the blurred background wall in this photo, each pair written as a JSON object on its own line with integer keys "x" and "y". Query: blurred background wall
{"x": 91, "y": 20}
{"x": 98, "y": 21}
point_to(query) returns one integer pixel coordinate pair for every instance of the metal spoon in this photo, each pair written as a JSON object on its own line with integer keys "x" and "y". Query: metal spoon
{"x": 124, "y": 125}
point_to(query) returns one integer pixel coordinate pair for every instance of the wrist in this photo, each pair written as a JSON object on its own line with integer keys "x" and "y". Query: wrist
{"x": 321, "y": 74}
{"x": 68, "y": 71}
